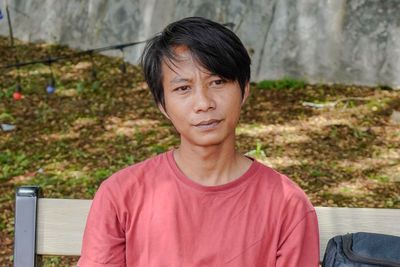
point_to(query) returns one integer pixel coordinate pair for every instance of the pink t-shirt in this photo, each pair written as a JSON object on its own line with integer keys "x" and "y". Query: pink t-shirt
{"x": 151, "y": 215}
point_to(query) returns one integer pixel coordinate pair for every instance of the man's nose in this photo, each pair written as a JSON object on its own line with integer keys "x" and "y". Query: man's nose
{"x": 203, "y": 99}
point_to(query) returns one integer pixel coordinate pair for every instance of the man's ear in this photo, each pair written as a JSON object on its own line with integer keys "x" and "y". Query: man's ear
{"x": 246, "y": 92}
{"x": 162, "y": 109}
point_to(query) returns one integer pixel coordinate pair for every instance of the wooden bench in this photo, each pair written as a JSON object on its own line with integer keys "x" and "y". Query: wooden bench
{"x": 45, "y": 226}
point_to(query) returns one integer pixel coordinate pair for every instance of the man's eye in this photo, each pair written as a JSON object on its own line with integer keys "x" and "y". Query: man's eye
{"x": 218, "y": 82}
{"x": 182, "y": 88}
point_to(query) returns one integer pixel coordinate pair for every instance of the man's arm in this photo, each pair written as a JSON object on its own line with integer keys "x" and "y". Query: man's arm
{"x": 104, "y": 239}
{"x": 300, "y": 246}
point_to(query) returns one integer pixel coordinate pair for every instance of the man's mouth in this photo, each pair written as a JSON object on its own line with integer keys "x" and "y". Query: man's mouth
{"x": 206, "y": 125}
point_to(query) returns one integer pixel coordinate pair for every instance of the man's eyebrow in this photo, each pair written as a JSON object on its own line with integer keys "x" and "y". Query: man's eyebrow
{"x": 179, "y": 80}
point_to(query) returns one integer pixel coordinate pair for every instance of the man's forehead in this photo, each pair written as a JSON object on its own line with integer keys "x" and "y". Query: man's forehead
{"x": 183, "y": 63}
{"x": 180, "y": 74}
{"x": 182, "y": 51}
{"x": 179, "y": 55}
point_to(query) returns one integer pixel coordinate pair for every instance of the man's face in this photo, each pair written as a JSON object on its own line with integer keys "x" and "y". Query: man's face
{"x": 204, "y": 108}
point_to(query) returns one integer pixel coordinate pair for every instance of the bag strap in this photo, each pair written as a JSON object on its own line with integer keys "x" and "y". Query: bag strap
{"x": 351, "y": 255}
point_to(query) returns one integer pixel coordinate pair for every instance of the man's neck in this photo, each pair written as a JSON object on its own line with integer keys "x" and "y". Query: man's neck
{"x": 212, "y": 165}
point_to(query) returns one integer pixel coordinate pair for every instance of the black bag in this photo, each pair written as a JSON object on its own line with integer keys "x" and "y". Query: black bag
{"x": 362, "y": 250}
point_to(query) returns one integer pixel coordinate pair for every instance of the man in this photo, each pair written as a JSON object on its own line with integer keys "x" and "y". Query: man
{"x": 202, "y": 204}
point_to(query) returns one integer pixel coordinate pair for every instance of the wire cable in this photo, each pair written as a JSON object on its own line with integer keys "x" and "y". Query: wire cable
{"x": 49, "y": 60}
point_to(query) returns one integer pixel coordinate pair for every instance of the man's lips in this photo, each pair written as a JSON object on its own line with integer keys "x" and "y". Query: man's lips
{"x": 209, "y": 124}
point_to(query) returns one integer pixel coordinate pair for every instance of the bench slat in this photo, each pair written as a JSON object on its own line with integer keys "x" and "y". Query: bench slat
{"x": 60, "y": 226}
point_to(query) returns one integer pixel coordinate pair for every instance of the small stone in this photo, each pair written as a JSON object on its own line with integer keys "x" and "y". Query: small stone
{"x": 7, "y": 127}
{"x": 395, "y": 118}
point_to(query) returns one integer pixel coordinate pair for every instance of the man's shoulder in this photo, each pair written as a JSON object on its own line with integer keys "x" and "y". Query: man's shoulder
{"x": 275, "y": 179}
{"x": 139, "y": 172}
{"x": 284, "y": 188}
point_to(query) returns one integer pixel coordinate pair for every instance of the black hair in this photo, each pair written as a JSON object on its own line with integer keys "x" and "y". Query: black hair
{"x": 213, "y": 45}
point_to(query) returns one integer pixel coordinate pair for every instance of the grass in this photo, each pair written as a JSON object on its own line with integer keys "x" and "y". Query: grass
{"x": 12, "y": 163}
{"x": 90, "y": 128}
{"x": 285, "y": 83}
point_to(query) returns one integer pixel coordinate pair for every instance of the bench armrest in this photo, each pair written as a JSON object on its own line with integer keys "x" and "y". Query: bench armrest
{"x": 25, "y": 226}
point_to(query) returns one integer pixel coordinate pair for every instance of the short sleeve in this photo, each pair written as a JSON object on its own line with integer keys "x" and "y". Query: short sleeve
{"x": 300, "y": 248}
{"x": 104, "y": 238}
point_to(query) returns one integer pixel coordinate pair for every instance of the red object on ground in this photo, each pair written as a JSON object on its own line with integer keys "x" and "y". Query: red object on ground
{"x": 17, "y": 96}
